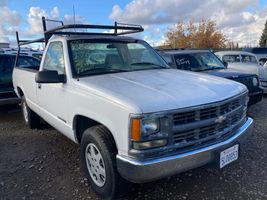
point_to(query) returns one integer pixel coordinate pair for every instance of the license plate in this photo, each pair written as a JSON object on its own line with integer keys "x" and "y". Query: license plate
{"x": 229, "y": 155}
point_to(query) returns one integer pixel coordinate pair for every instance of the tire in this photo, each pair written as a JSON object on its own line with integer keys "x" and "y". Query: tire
{"x": 98, "y": 153}
{"x": 31, "y": 119}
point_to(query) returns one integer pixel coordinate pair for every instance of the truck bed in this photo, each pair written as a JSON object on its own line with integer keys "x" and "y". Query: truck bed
{"x": 24, "y": 80}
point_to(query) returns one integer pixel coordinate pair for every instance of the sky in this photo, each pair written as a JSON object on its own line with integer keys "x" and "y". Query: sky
{"x": 241, "y": 21}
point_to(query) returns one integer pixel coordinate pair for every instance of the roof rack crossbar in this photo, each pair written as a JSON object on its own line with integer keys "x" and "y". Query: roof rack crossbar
{"x": 89, "y": 26}
{"x": 25, "y": 42}
{"x": 79, "y": 33}
{"x": 119, "y": 29}
{"x": 81, "y": 29}
{"x": 53, "y": 20}
{"x": 124, "y": 24}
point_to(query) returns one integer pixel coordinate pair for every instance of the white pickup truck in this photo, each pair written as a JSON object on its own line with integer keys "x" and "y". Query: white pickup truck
{"x": 136, "y": 119}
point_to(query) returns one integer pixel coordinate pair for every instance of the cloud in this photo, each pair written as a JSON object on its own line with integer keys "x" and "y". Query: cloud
{"x": 3, "y": 3}
{"x": 69, "y": 19}
{"x": 240, "y": 20}
{"x": 171, "y": 11}
{"x": 54, "y": 13}
{"x": 35, "y": 19}
{"x": 249, "y": 30}
{"x": 9, "y": 21}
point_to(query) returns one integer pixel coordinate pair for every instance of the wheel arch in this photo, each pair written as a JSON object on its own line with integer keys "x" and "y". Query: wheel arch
{"x": 20, "y": 92}
{"x": 81, "y": 123}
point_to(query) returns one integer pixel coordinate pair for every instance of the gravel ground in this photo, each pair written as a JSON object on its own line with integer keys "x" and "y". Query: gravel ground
{"x": 43, "y": 164}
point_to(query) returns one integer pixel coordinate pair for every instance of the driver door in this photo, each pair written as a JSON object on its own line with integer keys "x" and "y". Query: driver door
{"x": 52, "y": 97}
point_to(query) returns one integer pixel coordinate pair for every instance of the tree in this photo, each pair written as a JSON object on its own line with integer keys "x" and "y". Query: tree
{"x": 263, "y": 40}
{"x": 204, "y": 34}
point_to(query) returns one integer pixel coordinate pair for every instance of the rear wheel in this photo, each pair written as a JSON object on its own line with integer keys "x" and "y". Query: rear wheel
{"x": 31, "y": 119}
{"x": 98, "y": 155}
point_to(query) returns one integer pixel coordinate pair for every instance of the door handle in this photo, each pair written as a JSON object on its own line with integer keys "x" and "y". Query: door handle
{"x": 39, "y": 86}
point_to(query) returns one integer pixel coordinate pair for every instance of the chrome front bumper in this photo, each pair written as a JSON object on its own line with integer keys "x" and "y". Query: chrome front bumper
{"x": 145, "y": 171}
{"x": 264, "y": 90}
{"x": 263, "y": 84}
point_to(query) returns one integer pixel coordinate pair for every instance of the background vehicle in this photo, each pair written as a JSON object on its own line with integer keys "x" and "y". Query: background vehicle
{"x": 244, "y": 62}
{"x": 25, "y": 51}
{"x": 260, "y": 52}
{"x": 7, "y": 93}
{"x": 206, "y": 62}
{"x": 132, "y": 115}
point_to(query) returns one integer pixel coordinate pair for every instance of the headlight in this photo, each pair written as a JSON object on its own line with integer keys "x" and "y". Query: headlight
{"x": 149, "y": 126}
{"x": 255, "y": 82}
{"x": 149, "y": 144}
{"x": 149, "y": 132}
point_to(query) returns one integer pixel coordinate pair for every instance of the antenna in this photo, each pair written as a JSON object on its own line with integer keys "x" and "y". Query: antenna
{"x": 74, "y": 21}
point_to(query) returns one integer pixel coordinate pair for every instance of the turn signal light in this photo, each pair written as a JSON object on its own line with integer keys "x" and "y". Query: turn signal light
{"x": 136, "y": 130}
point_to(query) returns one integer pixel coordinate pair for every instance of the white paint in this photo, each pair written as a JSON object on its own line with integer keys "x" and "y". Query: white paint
{"x": 111, "y": 98}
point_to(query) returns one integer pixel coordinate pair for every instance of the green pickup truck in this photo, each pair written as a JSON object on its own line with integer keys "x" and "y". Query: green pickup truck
{"x": 7, "y": 94}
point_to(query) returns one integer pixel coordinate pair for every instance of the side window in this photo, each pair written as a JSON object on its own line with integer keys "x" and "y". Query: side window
{"x": 167, "y": 58}
{"x": 22, "y": 62}
{"x": 231, "y": 58}
{"x": 139, "y": 53}
{"x": 7, "y": 63}
{"x": 28, "y": 62}
{"x": 2, "y": 63}
{"x": 32, "y": 61}
{"x": 54, "y": 59}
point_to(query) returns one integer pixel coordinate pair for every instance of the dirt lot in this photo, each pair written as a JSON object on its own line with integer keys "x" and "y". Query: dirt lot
{"x": 43, "y": 164}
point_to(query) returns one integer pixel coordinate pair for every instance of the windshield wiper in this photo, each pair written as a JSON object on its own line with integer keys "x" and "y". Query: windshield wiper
{"x": 100, "y": 71}
{"x": 148, "y": 63}
{"x": 212, "y": 68}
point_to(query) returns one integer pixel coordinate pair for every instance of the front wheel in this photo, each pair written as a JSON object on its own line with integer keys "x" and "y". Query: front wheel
{"x": 98, "y": 155}
{"x": 31, "y": 119}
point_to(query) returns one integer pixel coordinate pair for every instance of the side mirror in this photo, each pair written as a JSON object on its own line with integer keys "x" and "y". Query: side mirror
{"x": 225, "y": 64}
{"x": 48, "y": 77}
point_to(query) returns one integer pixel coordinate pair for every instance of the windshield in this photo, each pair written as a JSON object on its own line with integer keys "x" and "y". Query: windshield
{"x": 240, "y": 58}
{"x": 198, "y": 61}
{"x": 91, "y": 57}
{"x": 249, "y": 59}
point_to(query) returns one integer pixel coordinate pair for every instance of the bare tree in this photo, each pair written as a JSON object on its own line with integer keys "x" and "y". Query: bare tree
{"x": 263, "y": 40}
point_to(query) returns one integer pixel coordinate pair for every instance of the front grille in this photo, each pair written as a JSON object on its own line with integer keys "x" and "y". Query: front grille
{"x": 263, "y": 83}
{"x": 247, "y": 81}
{"x": 208, "y": 124}
{"x": 206, "y": 113}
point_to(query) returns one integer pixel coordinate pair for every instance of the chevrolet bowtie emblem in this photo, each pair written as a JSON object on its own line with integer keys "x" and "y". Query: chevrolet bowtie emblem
{"x": 220, "y": 119}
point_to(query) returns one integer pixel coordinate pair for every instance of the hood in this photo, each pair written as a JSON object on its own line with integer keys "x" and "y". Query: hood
{"x": 150, "y": 91}
{"x": 249, "y": 68}
{"x": 228, "y": 73}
